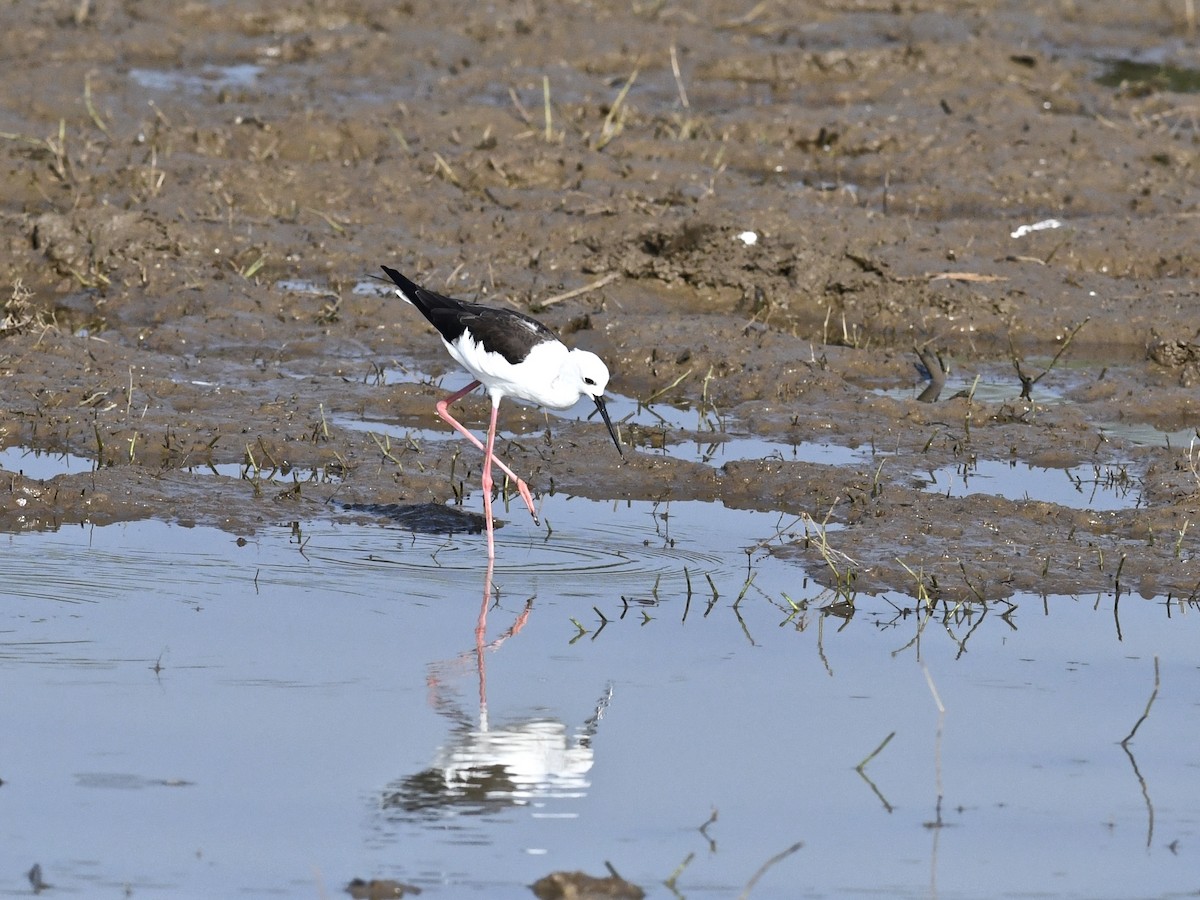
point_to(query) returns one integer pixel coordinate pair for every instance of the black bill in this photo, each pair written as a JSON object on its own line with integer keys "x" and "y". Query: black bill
{"x": 607, "y": 421}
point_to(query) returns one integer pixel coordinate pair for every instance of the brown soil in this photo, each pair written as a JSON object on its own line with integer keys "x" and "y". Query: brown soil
{"x": 169, "y": 168}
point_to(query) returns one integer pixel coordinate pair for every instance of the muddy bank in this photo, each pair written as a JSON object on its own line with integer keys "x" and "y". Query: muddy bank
{"x": 758, "y": 215}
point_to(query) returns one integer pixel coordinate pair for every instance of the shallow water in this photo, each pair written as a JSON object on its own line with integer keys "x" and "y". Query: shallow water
{"x": 207, "y": 78}
{"x": 1093, "y": 487}
{"x": 41, "y": 465}
{"x": 193, "y": 715}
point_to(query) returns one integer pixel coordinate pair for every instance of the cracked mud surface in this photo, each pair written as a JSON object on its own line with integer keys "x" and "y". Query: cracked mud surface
{"x": 195, "y": 197}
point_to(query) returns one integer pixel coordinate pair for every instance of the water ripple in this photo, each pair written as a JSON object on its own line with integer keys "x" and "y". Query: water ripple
{"x": 578, "y": 541}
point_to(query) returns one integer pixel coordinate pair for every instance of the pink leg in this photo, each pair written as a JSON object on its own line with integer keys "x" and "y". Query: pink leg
{"x": 487, "y": 481}
{"x": 443, "y": 410}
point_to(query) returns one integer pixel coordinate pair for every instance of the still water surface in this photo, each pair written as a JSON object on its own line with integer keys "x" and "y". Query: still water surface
{"x": 187, "y": 717}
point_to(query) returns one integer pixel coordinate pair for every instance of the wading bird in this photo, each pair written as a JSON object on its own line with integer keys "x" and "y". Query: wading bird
{"x": 511, "y": 355}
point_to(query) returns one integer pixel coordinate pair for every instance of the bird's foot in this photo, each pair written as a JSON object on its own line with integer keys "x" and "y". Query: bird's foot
{"x": 523, "y": 490}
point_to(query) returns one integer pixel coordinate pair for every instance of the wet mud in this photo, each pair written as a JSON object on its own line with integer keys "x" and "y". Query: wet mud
{"x": 761, "y": 213}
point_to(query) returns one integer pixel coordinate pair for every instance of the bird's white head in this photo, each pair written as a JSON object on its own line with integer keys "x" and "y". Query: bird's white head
{"x": 593, "y": 373}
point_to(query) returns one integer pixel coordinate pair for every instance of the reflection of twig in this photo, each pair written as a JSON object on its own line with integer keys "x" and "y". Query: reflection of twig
{"x": 821, "y": 645}
{"x": 745, "y": 628}
{"x": 762, "y": 870}
{"x": 875, "y": 790}
{"x": 603, "y": 622}
{"x": 937, "y": 824}
{"x": 933, "y": 364}
{"x": 35, "y": 879}
{"x": 1149, "y": 703}
{"x": 712, "y": 842}
{"x": 933, "y": 690}
{"x": 937, "y": 755}
{"x": 962, "y": 645}
{"x": 1145, "y": 794}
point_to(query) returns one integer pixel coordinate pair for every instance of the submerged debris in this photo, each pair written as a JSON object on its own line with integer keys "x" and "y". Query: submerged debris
{"x": 380, "y": 888}
{"x": 581, "y": 886}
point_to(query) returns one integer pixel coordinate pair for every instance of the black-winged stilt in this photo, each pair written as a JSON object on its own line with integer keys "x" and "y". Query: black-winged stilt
{"x": 511, "y": 355}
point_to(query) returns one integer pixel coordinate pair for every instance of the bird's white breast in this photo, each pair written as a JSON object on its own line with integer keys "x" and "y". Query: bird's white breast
{"x": 547, "y": 376}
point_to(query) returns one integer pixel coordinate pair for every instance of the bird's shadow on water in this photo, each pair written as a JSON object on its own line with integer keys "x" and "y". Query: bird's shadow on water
{"x": 423, "y": 518}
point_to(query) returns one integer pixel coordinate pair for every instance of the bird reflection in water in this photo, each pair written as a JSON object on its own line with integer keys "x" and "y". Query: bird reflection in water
{"x": 484, "y": 768}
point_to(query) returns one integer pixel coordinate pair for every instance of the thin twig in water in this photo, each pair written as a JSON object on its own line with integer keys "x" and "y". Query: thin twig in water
{"x": 762, "y": 870}
{"x": 678, "y": 78}
{"x": 1149, "y": 703}
{"x": 521, "y": 110}
{"x": 447, "y": 172}
{"x": 91, "y": 107}
{"x": 1028, "y": 382}
{"x": 964, "y": 276}
{"x": 662, "y": 391}
{"x": 612, "y": 126}
{"x": 745, "y": 587}
{"x": 674, "y": 877}
{"x": 874, "y": 753}
{"x": 385, "y": 448}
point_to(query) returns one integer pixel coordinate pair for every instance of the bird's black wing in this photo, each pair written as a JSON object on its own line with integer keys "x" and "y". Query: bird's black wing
{"x": 507, "y": 332}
